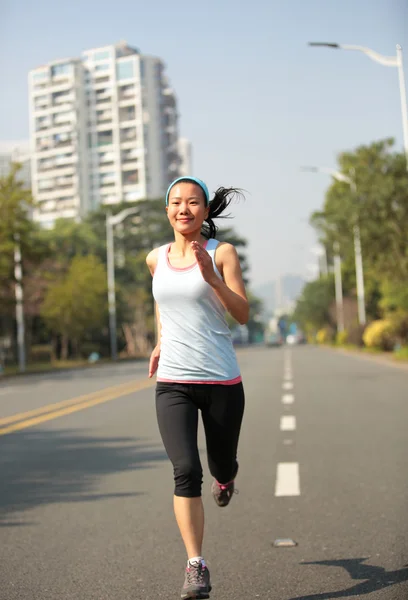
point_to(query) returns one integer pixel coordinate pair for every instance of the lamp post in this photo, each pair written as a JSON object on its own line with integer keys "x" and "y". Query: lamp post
{"x": 357, "y": 241}
{"x": 388, "y": 61}
{"x": 18, "y": 275}
{"x": 338, "y": 287}
{"x": 111, "y": 221}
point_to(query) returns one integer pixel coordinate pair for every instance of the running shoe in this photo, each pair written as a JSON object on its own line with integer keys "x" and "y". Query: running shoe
{"x": 197, "y": 582}
{"x": 223, "y": 492}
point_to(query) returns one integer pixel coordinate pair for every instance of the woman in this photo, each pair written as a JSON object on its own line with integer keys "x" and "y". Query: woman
{"x": 195, "y": 279}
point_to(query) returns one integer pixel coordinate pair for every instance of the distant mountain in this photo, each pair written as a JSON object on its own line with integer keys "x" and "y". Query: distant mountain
{"x": 290, "y": 289}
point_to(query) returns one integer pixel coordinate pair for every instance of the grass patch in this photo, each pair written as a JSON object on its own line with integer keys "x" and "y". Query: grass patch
{"x": 401, "y": 353}
{"x": 60, "y": 365}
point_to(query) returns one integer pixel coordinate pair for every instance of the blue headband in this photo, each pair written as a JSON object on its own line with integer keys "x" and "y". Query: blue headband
{"x": 193, "y": 180}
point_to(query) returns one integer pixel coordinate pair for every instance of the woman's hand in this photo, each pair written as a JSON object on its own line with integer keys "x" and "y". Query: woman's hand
{"x": 205, "y": 263}
{"x": 154, "y": 361}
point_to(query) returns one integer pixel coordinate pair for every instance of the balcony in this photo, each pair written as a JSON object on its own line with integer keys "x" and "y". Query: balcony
{"x": 133, "y": 195}
{"x": 63, "y": 119}
{"x": 168, "y": 100}
{"x": 42, "y": 124}
{"x": 41, "y": 104}
{"x": 130, "y": 178}
{"x": 45, "y": 164}
{"x": 101, "y": 80}
{"x": 106, "y": 157}
{"x": 66, "y": 159}
{"x": 103, "y": 94}
{"x": 128, "y": 135}
{"x": 55, "y": 193}
{"x": 104, "y": 140}
{"x": 64, "y": 143}
{"x": 130, "y": 155}
{"x": 62, "y": 98}
{"x": 45, "y": 185}
{"x": 127, "y": 113}
{"x": 43, "y": 145}
{"x": 127, "y": 93}
{"x": 109, "y": 198}
{"x": 107, "y": 179}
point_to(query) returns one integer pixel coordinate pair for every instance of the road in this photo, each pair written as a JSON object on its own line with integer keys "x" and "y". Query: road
{"x": 86, "y": 488}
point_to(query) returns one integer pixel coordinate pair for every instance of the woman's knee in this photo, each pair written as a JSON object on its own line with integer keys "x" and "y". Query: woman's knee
{"x": 188, "y": 479}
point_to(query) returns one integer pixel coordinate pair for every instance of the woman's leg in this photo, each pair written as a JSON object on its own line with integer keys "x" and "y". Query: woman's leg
{"x": 222, "y": 418}
{"x": 177, "y": 417}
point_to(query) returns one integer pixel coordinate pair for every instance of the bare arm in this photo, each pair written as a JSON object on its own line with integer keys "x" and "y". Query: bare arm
{"x": 151, "y": 261}
{"x": 157, "y": 324}
{"x": 231, "y": 291}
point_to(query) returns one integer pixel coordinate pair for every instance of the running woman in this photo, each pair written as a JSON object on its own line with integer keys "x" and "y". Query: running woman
{"x": 195, "y": 280}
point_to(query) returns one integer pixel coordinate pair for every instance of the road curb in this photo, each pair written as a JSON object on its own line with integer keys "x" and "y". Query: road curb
{"x": 383, "y": 360}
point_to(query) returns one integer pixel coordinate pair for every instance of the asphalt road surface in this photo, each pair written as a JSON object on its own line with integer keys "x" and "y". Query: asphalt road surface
{"x": 86, "y": 488}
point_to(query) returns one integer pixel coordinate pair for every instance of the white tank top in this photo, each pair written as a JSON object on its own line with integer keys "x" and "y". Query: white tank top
{"x": 196, "y": 344}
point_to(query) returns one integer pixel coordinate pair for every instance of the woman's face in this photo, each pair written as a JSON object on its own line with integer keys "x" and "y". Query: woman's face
{"x": 186, "y": 208}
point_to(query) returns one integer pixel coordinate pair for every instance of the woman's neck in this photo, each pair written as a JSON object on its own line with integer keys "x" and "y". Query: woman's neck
{"x": 182, "y": 243}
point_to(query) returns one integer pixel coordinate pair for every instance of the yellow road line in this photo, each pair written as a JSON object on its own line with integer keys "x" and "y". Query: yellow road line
{"x": 111, "y": 395}
{"x": 56, "y": 405}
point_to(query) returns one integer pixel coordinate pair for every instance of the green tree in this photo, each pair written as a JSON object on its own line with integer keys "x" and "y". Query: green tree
{"x": 15, "y": 222}
{"x": 379, "y": 205}
{"x": 312, "y": 310}
{"x": 77, "y": 303}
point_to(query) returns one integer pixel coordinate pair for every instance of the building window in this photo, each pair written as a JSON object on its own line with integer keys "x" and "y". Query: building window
{"x": 101, "y": 55}
{"x": 63, "y": 69}
{"x": 105, "y": 138}
{"x": 39, "y": 76}
{"x": 102, "y": 67}
{"x": 130, "y": 177}
{"x": 125, "y": 70}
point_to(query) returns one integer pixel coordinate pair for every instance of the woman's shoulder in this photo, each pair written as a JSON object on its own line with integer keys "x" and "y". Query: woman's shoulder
{"x": 225, "y": 249}
{"x": 153, "y": 257}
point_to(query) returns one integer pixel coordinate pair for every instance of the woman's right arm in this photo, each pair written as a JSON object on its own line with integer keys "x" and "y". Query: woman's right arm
{"x": 151, "y": 261}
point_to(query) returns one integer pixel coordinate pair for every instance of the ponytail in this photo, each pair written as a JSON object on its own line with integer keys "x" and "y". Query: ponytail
{"x": 222, "y": 199}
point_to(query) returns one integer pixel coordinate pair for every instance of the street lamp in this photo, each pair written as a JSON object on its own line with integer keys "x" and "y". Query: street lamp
{"x": 338, "y": 287}
{"x": 357, "y": 241}
{"x": 388, "y": 61}
{"x": 111, "y": 221}
{"x": 18, "y": 275}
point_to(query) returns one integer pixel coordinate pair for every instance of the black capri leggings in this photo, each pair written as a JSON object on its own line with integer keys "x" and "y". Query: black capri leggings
{"x": 222, "y": 408}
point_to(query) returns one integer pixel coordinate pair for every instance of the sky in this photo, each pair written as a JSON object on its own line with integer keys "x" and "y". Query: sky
{"x": 254, "y": 100}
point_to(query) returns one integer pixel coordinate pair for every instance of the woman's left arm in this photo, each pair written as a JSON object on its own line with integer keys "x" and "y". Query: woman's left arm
{"x": 231, "y": 291}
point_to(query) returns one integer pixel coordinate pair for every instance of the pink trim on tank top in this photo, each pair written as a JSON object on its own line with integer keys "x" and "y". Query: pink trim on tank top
{"x": 225, "y": 382}
{"x": 181, "y": 268}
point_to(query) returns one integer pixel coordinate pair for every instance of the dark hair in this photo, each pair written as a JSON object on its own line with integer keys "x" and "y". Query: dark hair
{"x": 222, "y": 198}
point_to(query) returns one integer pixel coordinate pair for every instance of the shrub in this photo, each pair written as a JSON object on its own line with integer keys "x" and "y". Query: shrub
{"x": 380, "y": 334}
{"x": 40, "y": 353}
{"x": 342, "y": 337}
{"x": 325, "y": 336}
{"x": 399, "y": 321}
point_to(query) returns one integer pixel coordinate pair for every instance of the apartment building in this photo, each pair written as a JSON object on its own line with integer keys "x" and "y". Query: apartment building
{"x": 103, "y": 129}
{"x": 186, "y": 157}
{"x": 16, "y": 152}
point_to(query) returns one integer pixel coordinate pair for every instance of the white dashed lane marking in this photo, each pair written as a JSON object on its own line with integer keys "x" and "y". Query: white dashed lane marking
{"x": 288, "y": 423}
{"x": 287, "y": 480}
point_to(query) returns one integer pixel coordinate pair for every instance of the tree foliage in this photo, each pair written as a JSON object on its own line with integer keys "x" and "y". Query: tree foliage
{"x": 378, "y": 204}
{"x": 77, "y": 303}
{"x": 312, "y": 308}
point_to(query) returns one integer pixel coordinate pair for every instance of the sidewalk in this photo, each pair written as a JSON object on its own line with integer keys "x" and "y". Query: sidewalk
{"x": 384, "y": 358}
